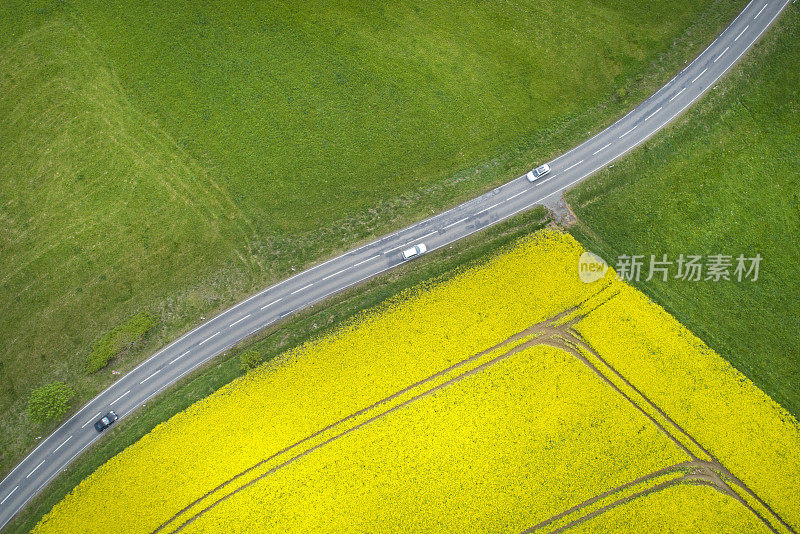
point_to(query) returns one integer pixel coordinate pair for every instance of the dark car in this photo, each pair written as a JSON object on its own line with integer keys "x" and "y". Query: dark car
{"x": 105, "y": 421}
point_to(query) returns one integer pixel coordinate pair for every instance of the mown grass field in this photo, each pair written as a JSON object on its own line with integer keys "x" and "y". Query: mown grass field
{"x": 536, "y": 403}
{"x": 169, "y": 159}
{"x": 725, "y": 179}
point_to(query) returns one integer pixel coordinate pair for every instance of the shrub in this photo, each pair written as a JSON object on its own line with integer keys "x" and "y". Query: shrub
{"x": 49, "y": 402}
{"x": 120, "y": 338}
{"x": 251, "y": 359}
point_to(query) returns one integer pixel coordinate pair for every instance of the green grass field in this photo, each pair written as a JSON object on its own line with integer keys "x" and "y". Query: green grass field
{"x": 169, "y": 159}
{"x": 725, "y": 179}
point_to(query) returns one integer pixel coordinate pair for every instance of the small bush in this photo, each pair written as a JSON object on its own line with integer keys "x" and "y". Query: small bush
{"x": 49, "y": 402}
{"x": 117, "y": 340}
{"x": 251, "y": 359}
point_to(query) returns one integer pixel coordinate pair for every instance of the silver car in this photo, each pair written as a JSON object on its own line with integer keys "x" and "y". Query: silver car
{"x": 538, "y": 172}
{"x": 416, "y": 250}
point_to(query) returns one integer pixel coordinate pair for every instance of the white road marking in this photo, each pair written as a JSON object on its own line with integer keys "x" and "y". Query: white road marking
{"x": 744, "y": 30}
{"x": 149, "y": 377}
{"x": 514, "y": 196}
{"x": 600, "y": 149}
{"x": 368, "y": 259}
{"x": 118, "y": 398}
{"x": 239, "y": 321}
{"x": 92, "y": 419}
{"x": 64, "y": 443}
{"x": 723, "y": 52}
{"x": 340, "y": 271}
{"x": 179, "y": 357}
{"x": 271, "y": 303}
{"x": 762, "y": 9}
{"x": 329, "y": 276}
{"x": 209, "y": 338}
{"x": 698, "y": 76}
{"x": 35, "y": 468}
{"x": 573, "y": 165}
{"x": 302, "y": 288}
{"x": 490, "y": 207}
{"x": 653, "y": 113}
{"x": 9, "y": 494}
{"x": 629, "y": 131}
{"x": 455, "y": 223}
{"x": 677, "y": 94}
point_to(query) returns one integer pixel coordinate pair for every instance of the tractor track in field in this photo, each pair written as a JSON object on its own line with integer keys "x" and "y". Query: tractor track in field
{"x": 545, "y": 328}
{"x": 557, "y": 331}
{"x": 713, "y": 473}
{"x": 694, "y": 471}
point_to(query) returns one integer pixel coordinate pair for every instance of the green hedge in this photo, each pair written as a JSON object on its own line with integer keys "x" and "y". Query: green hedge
{"x": 117, "y": 340}
{"x": 49, "y": 402}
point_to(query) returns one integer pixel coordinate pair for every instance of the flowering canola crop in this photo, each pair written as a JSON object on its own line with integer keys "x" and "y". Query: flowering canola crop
{"x": 510, "y": 397}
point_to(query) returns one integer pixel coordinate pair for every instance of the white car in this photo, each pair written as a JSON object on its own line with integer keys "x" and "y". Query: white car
{"x": 416, "y": 250}
{"x": 538, "y": 172}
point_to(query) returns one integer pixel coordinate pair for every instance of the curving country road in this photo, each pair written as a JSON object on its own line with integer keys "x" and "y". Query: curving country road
{"x": 213, "y": 337}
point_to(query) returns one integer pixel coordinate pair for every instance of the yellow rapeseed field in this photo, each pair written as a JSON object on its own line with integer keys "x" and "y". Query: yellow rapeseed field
{"x": 513, "y": 397}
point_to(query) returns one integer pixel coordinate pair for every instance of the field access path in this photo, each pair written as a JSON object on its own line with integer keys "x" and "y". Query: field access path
{"x": 213, "y": 337}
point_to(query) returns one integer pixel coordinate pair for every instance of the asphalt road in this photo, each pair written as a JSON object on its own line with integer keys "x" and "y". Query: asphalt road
{"x": 213, "y": 337}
